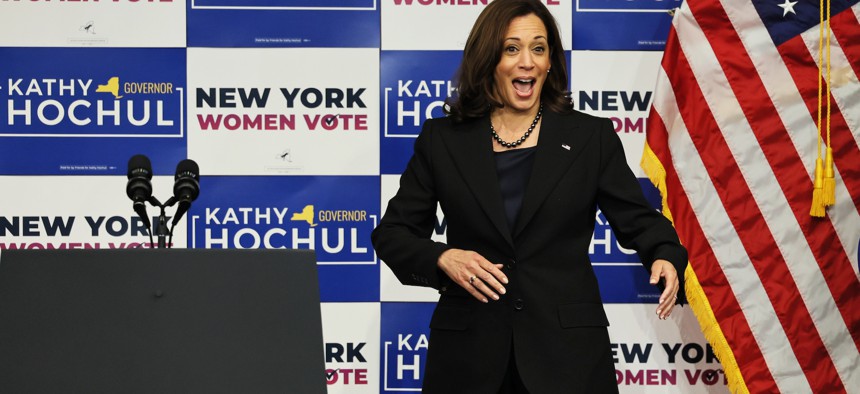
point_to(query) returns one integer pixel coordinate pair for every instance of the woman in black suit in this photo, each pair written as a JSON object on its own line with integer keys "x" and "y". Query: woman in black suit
{"x": 519, "y": 175}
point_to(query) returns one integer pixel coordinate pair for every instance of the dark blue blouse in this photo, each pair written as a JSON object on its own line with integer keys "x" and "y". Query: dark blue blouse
{"x": 514, "y": 167}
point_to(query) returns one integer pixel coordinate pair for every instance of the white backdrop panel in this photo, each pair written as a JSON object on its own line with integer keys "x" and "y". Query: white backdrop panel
{"x": 117, "y": 23}
{"x": 297, "y": 111}
{"x": 445, "y": 24}
{"x": 660, "y": 356}
{"x": 351, "y": 336}
{"x": 617, "y": 85}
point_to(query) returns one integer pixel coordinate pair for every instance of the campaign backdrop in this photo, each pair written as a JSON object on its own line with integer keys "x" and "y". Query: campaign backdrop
{"x": 302, "y": 115}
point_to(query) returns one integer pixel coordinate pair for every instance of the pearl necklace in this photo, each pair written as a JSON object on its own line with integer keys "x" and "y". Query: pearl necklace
{"x": 516, "y": 143}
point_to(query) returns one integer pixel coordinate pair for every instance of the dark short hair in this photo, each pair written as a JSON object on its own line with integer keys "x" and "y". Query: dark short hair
{"x": 475, "y": 91}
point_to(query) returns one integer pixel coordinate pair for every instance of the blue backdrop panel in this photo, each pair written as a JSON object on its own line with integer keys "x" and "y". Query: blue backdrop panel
{"x": 404, "y": 336}
{"x": 333, "y": 215}
{"x": 283, "y": 23}
{"x": 415, "y": 85}
{"x": 622, "y": 24}
{"x": 625, "y": 284}
{"x": 87, "y": 110}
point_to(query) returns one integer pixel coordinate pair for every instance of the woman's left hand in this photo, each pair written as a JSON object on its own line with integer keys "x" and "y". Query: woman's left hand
{"x": 664, "y": 269}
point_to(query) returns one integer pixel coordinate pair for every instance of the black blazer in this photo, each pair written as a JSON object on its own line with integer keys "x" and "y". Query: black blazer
{"x": 552, "y": 313}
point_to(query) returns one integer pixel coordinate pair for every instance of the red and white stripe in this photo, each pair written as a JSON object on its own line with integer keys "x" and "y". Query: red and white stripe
{"x": 737, "y": 123}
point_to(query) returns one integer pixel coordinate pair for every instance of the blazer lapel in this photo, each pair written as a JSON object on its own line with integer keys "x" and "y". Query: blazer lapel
{"x": 559, "y": 144}
{"x": 471, "y": 150}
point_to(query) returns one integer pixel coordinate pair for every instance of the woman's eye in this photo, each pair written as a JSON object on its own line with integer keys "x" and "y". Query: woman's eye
{"x": 539, "y": 49}
{"x": 511, "y": 49}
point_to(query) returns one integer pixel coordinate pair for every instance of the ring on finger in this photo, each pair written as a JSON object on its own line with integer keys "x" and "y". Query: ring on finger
{"x": 471, "y": 280}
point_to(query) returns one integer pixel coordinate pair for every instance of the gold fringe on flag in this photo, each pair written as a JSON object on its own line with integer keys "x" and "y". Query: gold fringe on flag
{"x": 695, "y": 294}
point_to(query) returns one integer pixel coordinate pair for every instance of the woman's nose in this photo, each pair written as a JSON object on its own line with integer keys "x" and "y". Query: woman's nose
{"x": 526, "y": 60}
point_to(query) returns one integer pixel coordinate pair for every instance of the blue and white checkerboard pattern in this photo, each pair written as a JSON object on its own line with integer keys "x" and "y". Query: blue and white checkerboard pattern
{"x": 301, "y": 115}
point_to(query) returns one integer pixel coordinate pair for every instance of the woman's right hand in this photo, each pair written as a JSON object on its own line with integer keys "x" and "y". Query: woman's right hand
{"x": 474, "y": 273}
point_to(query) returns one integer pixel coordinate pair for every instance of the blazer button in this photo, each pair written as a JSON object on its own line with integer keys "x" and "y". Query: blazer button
{"x": 519, "y": 304}
{"x": 512, "y": 264}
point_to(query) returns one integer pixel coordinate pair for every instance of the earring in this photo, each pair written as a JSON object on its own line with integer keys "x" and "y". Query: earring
{"x": 547, "y": 71}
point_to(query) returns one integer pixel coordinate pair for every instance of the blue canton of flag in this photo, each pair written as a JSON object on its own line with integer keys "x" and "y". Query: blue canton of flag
{"x": 788, "y": 19}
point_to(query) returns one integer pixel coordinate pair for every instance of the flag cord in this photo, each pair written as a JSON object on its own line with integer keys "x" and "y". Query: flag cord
{"x": 829, "y": 194}
{"x": 824, "y": 184}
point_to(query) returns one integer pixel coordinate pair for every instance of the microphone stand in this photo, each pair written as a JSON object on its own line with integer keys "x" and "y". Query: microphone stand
{"x": 161, "y": 230}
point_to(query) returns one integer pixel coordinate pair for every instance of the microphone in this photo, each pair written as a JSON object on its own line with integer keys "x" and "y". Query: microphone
{"x": 139, "y": 187}
{"x": 186, "y": 186}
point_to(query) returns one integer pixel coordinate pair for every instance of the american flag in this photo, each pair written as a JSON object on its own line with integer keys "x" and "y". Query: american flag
{"x": 732, "y": 143}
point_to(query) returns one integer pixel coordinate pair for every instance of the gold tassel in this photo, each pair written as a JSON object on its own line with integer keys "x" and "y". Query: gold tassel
{"x": 817, "y": 208}
{"x": 828, "y": 191}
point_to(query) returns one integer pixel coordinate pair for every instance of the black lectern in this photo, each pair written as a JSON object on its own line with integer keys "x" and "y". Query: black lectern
{"x": 160, "y": 321}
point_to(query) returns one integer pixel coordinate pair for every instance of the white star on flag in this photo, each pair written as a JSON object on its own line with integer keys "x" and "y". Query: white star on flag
{"x": 787, "y": 7}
